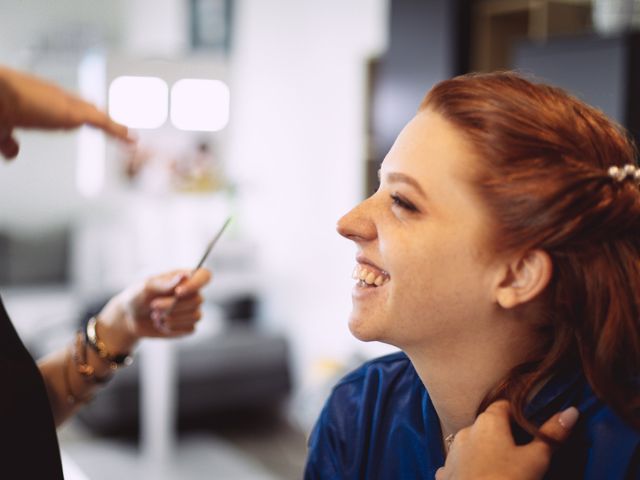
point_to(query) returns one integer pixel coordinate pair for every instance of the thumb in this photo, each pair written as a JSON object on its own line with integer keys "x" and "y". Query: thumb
{"x": 164, "y": 284}
{"x": 558, "y": 427}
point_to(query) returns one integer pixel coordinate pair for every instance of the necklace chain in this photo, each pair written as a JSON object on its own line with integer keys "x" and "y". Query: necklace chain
{"x": 448, "y": 440}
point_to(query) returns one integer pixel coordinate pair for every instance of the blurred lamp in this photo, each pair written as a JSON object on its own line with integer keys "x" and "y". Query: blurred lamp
{"x": 200, "y": 105}
{"x": 139, "y": 102}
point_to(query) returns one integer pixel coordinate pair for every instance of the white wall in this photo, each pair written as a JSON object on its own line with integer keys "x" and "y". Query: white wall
{"x": 31, "y": 26}
{"x": 298, "y": 148}
{"x": 155, "y": 27}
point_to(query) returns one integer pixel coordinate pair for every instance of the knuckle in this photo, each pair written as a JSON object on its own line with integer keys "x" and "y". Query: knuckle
{"x": 499, "y": 406}
{"x": 462, "y": 436}
{"x": 484, "y": 419}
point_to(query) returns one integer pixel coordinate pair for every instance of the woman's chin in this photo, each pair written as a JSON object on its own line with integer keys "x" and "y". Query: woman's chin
{"x": 363, "y": 329}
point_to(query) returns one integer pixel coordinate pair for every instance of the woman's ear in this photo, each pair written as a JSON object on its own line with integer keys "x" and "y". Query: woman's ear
{"x": 524, "y": 279}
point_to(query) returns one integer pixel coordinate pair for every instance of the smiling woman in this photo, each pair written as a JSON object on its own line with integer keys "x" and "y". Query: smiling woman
{"x": 430, "y": 247}
{"x": 510, "y": 259}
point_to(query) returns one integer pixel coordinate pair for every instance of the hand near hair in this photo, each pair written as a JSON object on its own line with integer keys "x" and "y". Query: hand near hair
{"x": 28, "y": 102}
{"x": 486, "y": 449}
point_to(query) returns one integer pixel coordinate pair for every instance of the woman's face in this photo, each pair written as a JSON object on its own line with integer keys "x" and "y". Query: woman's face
{"x": 421, "y": 239}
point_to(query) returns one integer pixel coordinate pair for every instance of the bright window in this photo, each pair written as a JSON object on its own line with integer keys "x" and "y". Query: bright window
{"x": 139, "y": 102}
{"x": 200, "y": 105}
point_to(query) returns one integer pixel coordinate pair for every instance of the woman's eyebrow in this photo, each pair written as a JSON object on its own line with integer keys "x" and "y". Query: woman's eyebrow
{"x": 397, "y": 177}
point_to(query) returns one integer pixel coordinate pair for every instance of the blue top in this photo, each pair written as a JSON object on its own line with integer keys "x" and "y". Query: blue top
{"x": 379, "y": 422}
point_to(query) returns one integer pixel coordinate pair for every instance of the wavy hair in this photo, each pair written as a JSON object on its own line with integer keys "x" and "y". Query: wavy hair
{"x": 543, "y": 175}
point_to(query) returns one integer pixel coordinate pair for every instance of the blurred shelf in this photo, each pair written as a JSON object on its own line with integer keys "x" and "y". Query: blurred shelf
{"x": 497, "y": 24}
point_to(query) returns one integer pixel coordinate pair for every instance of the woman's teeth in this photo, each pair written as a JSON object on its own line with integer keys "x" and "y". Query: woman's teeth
{"x": 368, "y": 277}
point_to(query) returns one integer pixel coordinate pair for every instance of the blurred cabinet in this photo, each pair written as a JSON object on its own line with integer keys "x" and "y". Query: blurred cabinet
{"x": 602, "y": 71}
{"x": 423, "y": 50}
{"x": 497, "y": 24}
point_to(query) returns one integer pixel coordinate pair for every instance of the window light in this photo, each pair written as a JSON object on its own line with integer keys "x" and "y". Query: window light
{"x": 139, "y": 102}
{"x": 90, "y": 163}
{"x": 200, "y": 105}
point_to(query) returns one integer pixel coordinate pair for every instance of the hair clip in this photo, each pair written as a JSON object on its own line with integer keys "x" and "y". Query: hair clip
{"x": 622, "y": 173}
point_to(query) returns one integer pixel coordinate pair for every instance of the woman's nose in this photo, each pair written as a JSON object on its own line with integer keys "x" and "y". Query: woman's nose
{"x": 357, "y": 224}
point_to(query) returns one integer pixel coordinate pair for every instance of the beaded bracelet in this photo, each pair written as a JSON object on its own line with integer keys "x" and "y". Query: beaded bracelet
{"x": 86, "y": 371}
{"x": 91, "y": 338}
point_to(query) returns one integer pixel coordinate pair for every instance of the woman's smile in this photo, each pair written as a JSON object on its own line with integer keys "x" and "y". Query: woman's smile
{"x": 368, "y": 279}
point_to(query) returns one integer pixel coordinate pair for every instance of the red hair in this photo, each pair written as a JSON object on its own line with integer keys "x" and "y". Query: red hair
{"x": 543, "y": 175}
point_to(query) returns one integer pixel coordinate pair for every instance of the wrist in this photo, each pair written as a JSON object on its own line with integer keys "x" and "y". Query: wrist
{"x": 114, "y": 329}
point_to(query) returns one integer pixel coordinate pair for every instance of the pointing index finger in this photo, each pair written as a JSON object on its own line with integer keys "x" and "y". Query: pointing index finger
{"x": 99, "y": 119}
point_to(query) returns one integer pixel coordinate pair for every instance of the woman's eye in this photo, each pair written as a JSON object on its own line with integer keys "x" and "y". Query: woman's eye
{"x": 402, "y": 203}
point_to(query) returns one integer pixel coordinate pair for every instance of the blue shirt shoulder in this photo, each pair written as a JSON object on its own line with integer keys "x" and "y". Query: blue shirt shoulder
{"x": 379, "y": 422}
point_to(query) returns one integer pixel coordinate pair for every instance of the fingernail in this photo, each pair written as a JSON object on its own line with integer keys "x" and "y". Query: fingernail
{"x": 568, "y": 418}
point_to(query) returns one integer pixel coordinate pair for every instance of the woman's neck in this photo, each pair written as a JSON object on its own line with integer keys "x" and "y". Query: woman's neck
{"x": 459, "y": 375}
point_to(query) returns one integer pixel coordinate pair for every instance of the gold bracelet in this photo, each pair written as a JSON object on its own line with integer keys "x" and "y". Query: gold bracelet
{"x": 72, "y": 399}
{"x": 86, "y": 370}
{"x": 91, "y": 337}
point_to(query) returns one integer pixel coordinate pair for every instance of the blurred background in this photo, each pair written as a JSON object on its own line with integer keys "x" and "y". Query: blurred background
{"x": 277, "y": 112}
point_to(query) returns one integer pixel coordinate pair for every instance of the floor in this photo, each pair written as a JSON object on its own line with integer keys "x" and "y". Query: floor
{"x": 253, "y": 450}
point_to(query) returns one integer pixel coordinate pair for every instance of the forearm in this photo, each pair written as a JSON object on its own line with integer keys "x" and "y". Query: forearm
{"x": 74, "y": 374}
{"x": 65, "y": 394}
